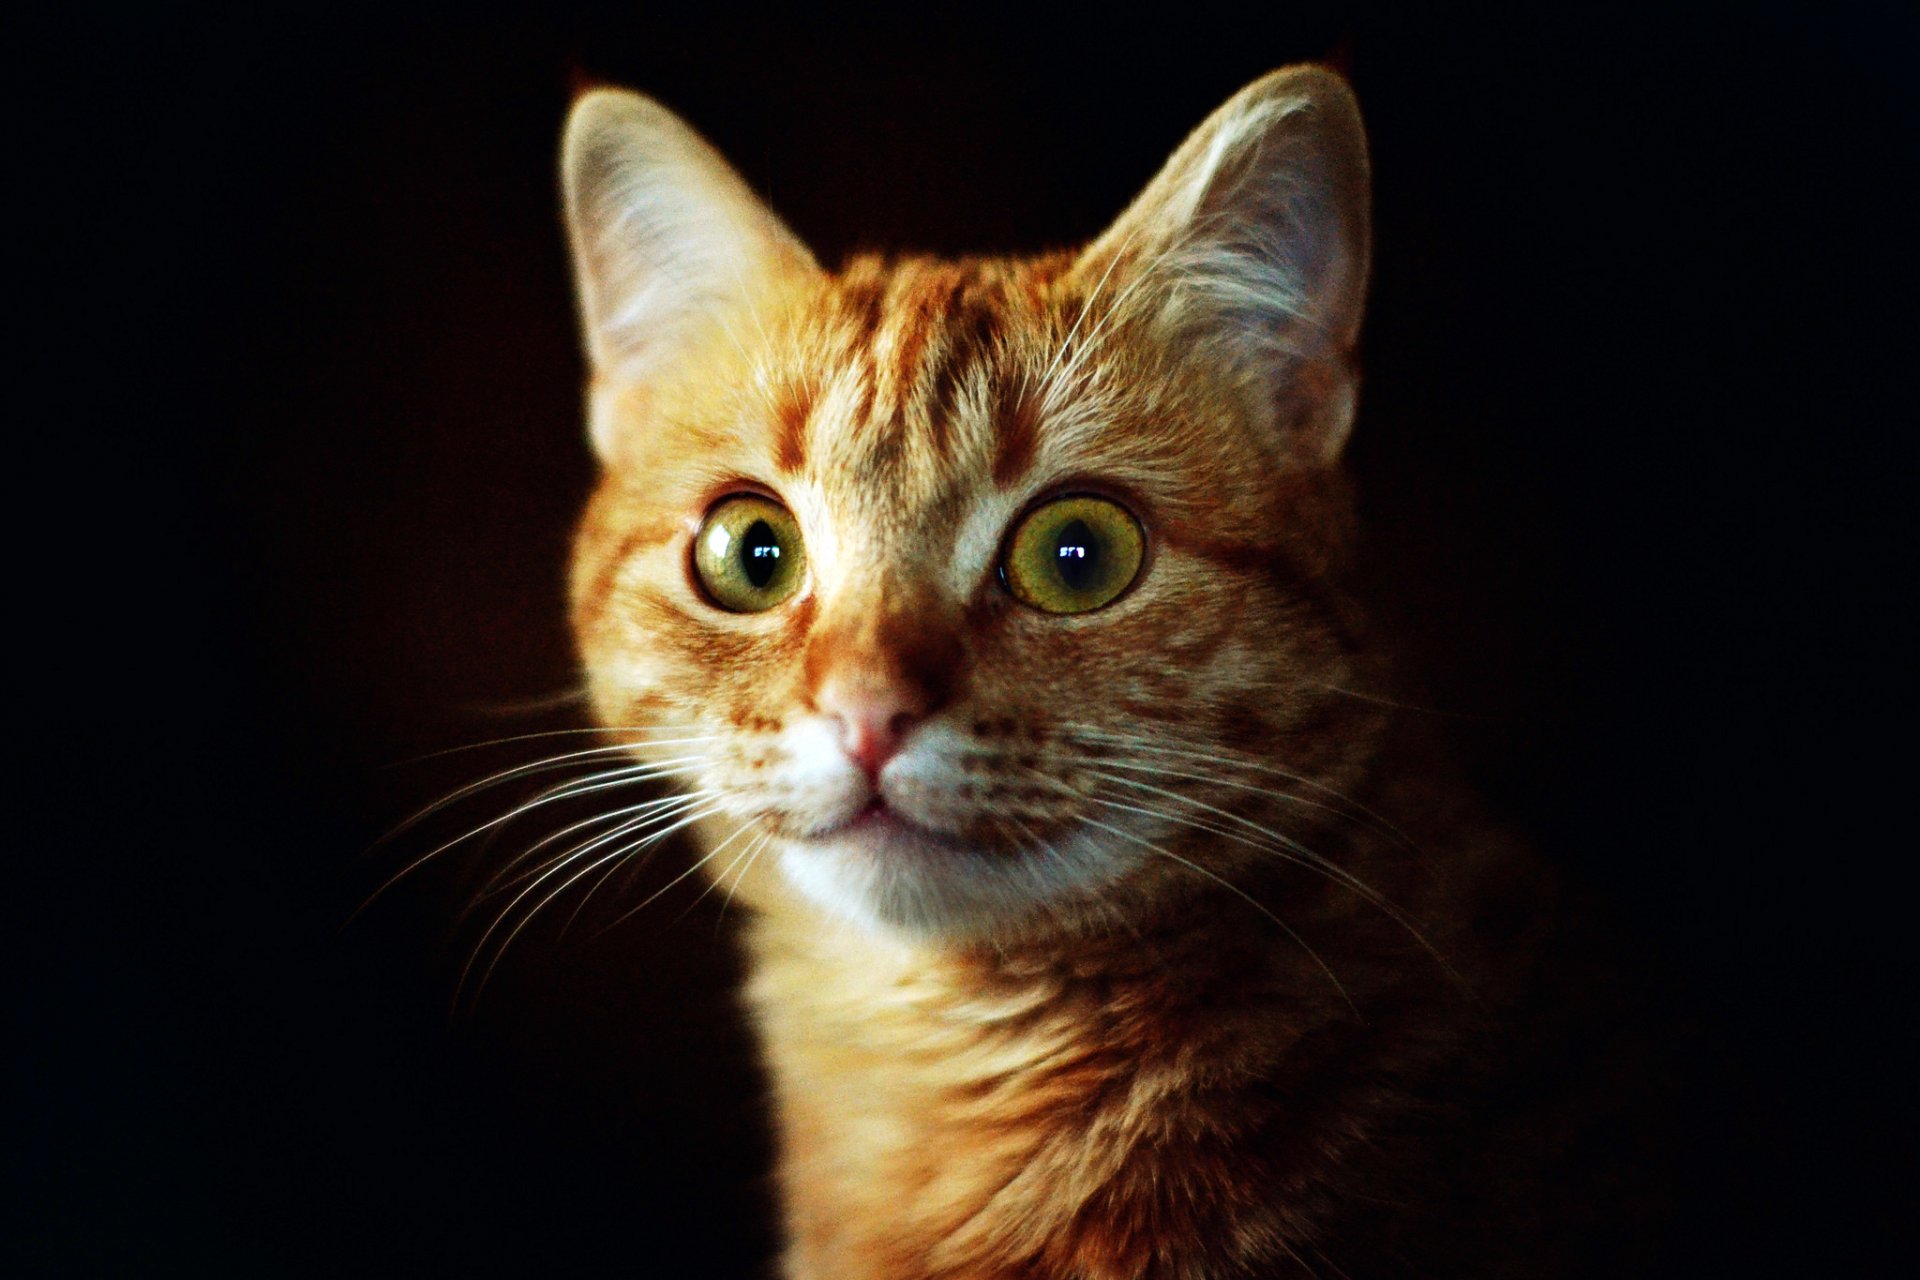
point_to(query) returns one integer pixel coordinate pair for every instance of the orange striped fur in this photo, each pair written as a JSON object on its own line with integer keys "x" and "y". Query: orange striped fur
{"x": 1140, "y": 982}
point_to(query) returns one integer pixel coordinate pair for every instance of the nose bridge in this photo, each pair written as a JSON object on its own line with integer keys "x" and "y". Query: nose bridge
{"x": 886, "y": 637}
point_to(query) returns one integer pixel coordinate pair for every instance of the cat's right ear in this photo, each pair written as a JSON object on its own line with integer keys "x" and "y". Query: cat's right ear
{"x": 670, "y": 246}
{"x": 1252, "y": 246}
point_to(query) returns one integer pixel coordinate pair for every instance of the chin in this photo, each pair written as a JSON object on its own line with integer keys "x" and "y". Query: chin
{"x": 895, "y": 877}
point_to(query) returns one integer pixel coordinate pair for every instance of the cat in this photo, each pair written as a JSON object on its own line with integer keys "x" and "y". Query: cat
{"x": 991, "y": 615}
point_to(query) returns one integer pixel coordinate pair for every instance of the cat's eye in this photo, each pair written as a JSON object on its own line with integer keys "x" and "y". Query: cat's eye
{"x": 1073, "y": 554}
{"x": 748, "y": 555}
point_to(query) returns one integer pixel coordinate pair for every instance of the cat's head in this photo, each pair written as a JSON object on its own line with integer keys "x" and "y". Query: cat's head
{"x": 969, "y": 584}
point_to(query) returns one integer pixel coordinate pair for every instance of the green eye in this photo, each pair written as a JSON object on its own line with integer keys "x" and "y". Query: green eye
{"x": 748, "y": 554}
{"x": 1073, "y": 555}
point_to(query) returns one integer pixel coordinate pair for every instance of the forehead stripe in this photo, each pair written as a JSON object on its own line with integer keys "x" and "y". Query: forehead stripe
{"x": 920, "y": 316}
{"x": 791, "y": 416}
{"x": 1017, "y": 431}
{"x": 972, "y": 322}
{"x": 956, "y": 346}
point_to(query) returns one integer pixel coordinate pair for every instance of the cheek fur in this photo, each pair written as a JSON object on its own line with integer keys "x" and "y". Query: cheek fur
{"x": 807, "y": 783}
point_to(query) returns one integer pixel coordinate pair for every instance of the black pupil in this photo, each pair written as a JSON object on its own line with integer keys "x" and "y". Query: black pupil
{"x": 1079, "y": 556}
{"x": 760, "y": 553}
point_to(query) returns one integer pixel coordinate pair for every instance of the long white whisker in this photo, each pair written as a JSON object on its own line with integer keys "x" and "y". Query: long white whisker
{"x": 1113, "y": 912}
{"x": 1288, "y": 843}
{"x": 1331, "y": 871}
{"x": 1087, "y": 306}
{"x": 1086, "y": 349}
{"x": 753, "y": 847}
{"x": 735, "y": 834}
{"x": 1360, "y": 695}
{"x": 609, "y": 873}
{"x": 625, "y": 776}
{"x": 545, "y": 765}
{"x": 650, "y": 898}
{"x": 1242, "y": 760}
{"x": 752, "y": 856}
{"x": 591, "y": 783}
{"x": 559, "y": 866}
{"x": 676, "y": 820}
{"x": 537, "y": 704}
{"x": 1162, "y": 771}
{"x": 655, "y": 815}
{"x": 1303, "y": 854}
{"x": 629, "y": 815}
{"x": 1112, "y": 314}
{"x": 1242, "y": 894}
{"x": 553, "y": 733}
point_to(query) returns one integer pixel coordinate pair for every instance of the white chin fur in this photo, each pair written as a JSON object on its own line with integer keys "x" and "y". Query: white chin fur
{"x": 893, "y": 883}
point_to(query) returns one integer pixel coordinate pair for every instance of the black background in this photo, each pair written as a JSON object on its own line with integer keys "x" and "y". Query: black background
{"x": 1633, "y": 453}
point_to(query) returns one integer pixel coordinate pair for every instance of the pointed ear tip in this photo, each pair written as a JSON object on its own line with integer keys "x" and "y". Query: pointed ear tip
{"x": 593, "y": 110}
{"x": 1307, "y": 82}
{"x": 601, "y": 108}
{"x": 598, "y": 100}
{"x": 1322, "y": 98}
{"x": 1302, "y": 79}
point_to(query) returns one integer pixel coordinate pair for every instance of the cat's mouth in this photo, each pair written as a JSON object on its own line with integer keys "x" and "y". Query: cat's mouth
{"x": 882, "y": 827}
{"x": 875, "y": 813}
{"x": 912, "y": 867}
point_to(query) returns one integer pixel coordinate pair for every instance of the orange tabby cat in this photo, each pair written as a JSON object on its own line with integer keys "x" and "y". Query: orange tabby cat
{"x": 990, "y": 610}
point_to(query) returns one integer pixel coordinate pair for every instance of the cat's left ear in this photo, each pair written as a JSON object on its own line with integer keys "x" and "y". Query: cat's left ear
{"x": 1252, "y": 246}
{"x": 670, "y": 246}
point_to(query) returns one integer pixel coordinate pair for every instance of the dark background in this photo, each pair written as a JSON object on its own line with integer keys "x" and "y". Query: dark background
{"x": 1633, "y": 453}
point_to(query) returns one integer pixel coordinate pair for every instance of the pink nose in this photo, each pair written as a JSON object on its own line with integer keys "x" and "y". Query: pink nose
{"x": 873, "y": 719}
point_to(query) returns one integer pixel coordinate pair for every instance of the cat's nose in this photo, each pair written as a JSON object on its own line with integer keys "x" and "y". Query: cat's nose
{"x": 873, "y": 719}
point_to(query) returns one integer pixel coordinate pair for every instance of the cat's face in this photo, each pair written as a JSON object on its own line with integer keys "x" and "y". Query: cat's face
{"x": 942, "y": 579}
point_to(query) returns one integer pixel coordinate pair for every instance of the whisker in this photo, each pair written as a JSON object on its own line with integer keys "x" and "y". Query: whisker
{"x": 559, "y": 733}
{"x": 1085, "y": 307}
{"x": 1378, "y": 700}
{"x": 753, "y": 855}
{"x": 1320, "y": 865}
{"x": 559, "y": 866}
{"x": 715, "y": 882}
{"x": 1240, "y": 893}
{"x": 546, "y": 764}
{"x": 1112, "y": 315}
{"x": 628, "y": 815}
{"x": 1161, "y": 770}
{"x": 609, "y": 874}
{"x": 715, "y": 852}
{"x": 573, "y": 697}
{"x": 593, "y": 782}
{"x": 1210, "y": 875}
{"x": 652, "y": 897}
{"x": 1300, "y": 852}
{"x": 1286, "y": 841}
{"x": 1086, "y": 349}
{"x": 1330, "y": 870}
{"x": 1243, "y": 760}
{"x": 625, "y": 776}
{"x": 1106, "y": 904}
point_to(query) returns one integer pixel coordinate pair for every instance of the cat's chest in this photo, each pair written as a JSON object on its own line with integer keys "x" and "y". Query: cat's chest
{"x": 1020, "y": 1126}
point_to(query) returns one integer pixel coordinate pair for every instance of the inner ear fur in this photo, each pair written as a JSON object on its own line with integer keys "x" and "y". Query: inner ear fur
{"x": 669, "y": 243}
{"x": 1251, "y": 249}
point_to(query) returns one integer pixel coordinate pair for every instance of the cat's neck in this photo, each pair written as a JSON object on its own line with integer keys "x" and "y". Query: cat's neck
{"x": 935, "y": 1104}
{"x": 947, "y": 1110}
